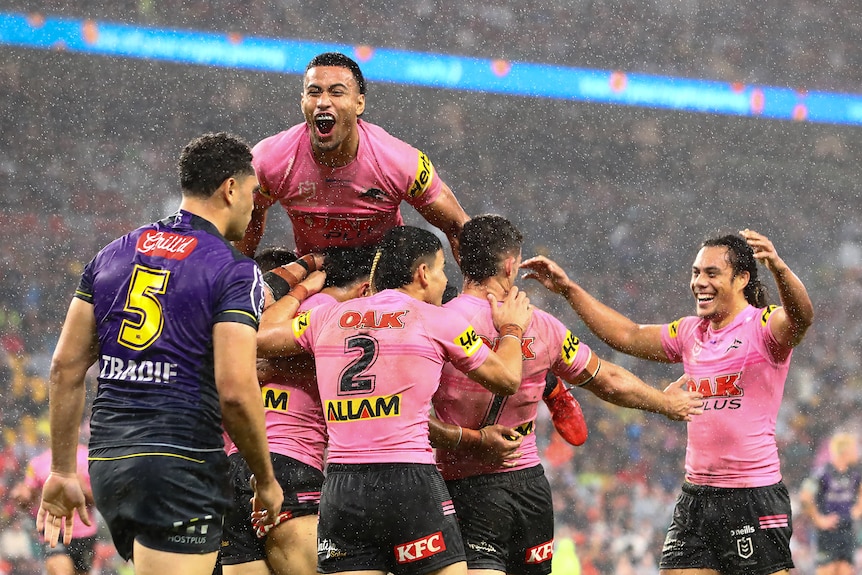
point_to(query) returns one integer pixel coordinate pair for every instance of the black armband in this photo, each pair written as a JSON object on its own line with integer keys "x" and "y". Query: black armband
{"x": 277, "y": 285}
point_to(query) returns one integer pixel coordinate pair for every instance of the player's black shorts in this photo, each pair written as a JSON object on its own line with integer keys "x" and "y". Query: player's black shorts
{"x": 837, "y": 544}
{"x": 301, "y": 484}
{"x": 392, "y": 517}
{"x": 745, "y": 531}
{"x": 166, "y": 500}
{"x": 82, "y": 551}
{"x": 507, "y": 520}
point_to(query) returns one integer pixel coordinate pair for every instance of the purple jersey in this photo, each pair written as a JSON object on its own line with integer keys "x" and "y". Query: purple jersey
{"x": 378, "y": 362}
{"x": 157, "y": 293}
{"x": 546, "y": 346}
{"x": 837, "y": 492}
{"x": 740, "y": 369}
{"x": 352, "y": 205}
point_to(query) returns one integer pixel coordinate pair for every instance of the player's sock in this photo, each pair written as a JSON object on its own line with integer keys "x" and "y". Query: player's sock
{"x": 566, "y": 413}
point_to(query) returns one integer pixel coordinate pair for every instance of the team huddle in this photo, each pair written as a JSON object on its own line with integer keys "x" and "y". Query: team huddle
{"x": 341, "y": 407}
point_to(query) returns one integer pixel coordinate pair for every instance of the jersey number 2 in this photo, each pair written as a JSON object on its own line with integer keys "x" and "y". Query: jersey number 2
{"x": 354, "y": 378}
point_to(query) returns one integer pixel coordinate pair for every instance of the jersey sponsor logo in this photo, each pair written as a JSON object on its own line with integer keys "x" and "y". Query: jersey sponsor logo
{"x": 718, "y": 386}
{"x": 526, "y": 345}
{"x": 540, "y": 553}
{"x": 525, "y": 428}
{"x": 340, "y": 410}
{"x": 424, "y": 175}
{"x": 327, "y": 549}
{"x": 569, "y": 351}
{"x": 166, "y": 245}
{"x": 673, "y": 328}
{"x": 274, "y": 398}
{"x": 371, "y": 320}
{"x": 469, "y": 341}
{"x": 131, "y": 370}
{"x": 767, "y": 311}
{"x": 420, "y": 549}
{"x": 300, "y": 323}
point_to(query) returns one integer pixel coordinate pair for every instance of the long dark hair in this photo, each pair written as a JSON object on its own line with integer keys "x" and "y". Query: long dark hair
{"x": 740, "y": 256}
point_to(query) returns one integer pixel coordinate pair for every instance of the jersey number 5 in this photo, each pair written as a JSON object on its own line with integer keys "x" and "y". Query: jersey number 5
{"x": 145, "y": 285}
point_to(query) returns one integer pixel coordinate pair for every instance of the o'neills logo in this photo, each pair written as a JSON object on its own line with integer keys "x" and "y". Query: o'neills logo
{"x": 365, "y": 408}
{"x": 166, "y": 245}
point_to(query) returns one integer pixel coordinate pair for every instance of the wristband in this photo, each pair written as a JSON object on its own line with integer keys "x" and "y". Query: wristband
{"x": 299, "y": 293}
{"x": 511, "y": 329}
{"x": 470, "y": 438}
{"x": 277, "y": 285}
{"x": 308, "y": 262}
{"x": 512, "y": 335}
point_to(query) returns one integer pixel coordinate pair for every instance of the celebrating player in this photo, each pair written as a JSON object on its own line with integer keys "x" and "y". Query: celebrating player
{"x": 733, "y": 515}
{"x": 296, "y": 431}
{"x": 505, "y": 510}
{"x": 342, "y": 179}
{"x": 384, "y": 507}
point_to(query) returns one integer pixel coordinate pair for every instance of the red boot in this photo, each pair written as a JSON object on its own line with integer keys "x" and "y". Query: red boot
{"x": 566, "y": 414}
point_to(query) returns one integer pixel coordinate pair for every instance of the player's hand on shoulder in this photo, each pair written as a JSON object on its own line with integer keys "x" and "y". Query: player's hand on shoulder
{"x": 515, "y": 309}
{"x": 683, "y": 400}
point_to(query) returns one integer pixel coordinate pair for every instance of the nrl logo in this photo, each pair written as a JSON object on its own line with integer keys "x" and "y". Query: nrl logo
{"x": 744, "y": 547}
{"x": 307, "y": 190}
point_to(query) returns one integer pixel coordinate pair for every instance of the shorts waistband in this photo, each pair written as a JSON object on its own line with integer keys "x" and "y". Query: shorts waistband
{"x": 518, "y": 477}
{"x": 373, "y": 467}
{"x": 709, "y": 490}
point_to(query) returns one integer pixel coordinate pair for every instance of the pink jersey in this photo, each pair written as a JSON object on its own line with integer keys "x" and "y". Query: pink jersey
{"x": 37, "y": 473}
{"x": 349, "y": 206}
{"x": 294, "y": 416}
{"x": 378, "y": 363}
{"x": 547, "y": 346}
{"x": 732, "y": 444}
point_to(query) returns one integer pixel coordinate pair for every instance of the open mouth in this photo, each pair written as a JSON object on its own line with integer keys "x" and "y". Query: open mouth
{"x": 324, "y": 123}
{"x": 704, "y": 298}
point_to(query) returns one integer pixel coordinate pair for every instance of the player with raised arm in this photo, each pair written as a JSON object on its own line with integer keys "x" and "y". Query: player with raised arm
{"x": 342, "y": 179}
{"x": 296, "y": 431}
{"x": 384, "y": 507}
{"x": 733, "y": 515}
{"x": 505, "y": 508}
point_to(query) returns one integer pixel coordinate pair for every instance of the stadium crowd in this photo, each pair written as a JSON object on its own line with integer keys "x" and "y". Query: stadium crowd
{"x": 87, "y": 152}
